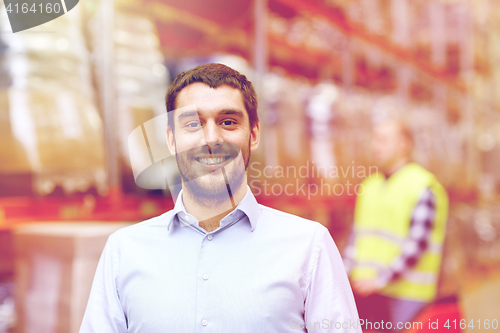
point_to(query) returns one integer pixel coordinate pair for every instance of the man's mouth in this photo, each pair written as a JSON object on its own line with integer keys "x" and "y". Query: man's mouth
{"x": 213, "y": 162}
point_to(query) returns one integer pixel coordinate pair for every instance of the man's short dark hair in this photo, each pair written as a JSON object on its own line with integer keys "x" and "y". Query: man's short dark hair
{"x": 214, "y": 75}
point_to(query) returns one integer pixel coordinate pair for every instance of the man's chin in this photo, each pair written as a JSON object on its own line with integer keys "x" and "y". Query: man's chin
{"x": 213, "y": 187}
{"x": 208, "y": 191}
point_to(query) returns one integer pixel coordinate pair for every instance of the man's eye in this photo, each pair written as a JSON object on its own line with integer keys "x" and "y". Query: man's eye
{"x": 228, "y": 123}
{"x": 193, "y": 124}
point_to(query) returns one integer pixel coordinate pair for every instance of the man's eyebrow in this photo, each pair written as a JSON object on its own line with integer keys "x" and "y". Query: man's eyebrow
{"x": 232, "y": 112}
{"x": 188, "y": 114}
{"x": 224, "y": 112}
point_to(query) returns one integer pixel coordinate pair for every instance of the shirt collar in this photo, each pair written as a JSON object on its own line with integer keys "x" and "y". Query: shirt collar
{"x": 248, "y": 205}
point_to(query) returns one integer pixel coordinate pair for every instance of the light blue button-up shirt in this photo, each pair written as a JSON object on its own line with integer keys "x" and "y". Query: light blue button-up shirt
{"x": 261, "y": 271}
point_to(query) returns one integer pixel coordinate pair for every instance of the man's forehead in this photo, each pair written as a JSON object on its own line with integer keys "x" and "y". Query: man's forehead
{"x": 201, "y": 98}
{"x": 185, "y": 110}
{"x": 203, "y": 92}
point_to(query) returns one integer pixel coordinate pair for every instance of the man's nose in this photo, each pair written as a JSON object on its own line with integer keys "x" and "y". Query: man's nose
{"x": 212, "y": 133}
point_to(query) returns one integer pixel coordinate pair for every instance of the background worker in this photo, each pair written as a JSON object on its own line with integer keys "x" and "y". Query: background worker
{"x": 394, "y": 254}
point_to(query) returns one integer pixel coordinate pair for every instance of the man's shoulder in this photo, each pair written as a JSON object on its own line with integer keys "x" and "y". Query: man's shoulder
{"x": 415, "y": 177}
{"x": 277, "y": 218}
{"x": 146, "y": 226}
{"x": 413, "y": 168}
{"x": 373, "y": 178}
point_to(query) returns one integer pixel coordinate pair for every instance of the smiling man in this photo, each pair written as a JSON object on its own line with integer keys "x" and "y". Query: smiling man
{"x": 219, "y": 261}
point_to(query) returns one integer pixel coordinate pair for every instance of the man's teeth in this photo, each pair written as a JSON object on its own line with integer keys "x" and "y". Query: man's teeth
{"x": 212, "y": 160}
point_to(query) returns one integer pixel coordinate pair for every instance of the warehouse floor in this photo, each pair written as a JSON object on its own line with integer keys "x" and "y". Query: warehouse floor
{"x": 7, "y": 309}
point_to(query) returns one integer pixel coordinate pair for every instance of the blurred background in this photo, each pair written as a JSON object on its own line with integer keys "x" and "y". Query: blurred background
{"x": 73, "y": 90}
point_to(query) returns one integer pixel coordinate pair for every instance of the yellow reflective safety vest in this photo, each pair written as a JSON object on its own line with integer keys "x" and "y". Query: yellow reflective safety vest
{"x": 381, "y": 224}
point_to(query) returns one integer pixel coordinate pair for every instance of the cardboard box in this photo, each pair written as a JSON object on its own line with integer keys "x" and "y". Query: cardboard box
{"x": 55, "y": 266}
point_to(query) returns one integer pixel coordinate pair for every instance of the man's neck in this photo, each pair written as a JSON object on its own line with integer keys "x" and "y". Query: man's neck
{"x": 209, "y": 217}
{"x": 389, "y": 171}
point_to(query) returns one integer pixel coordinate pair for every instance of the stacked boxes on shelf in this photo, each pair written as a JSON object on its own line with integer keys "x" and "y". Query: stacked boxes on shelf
{"x": 53, "y": 130}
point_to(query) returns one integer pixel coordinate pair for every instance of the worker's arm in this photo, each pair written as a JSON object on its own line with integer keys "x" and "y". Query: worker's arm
{"x": 422, "y": 223}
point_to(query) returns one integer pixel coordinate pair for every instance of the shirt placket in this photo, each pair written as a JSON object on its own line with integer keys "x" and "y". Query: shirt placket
{"x": 205, "y": 320}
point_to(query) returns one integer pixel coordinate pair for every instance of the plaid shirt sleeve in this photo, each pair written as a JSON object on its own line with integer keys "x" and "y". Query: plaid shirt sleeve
{"x": 422, "y": 222}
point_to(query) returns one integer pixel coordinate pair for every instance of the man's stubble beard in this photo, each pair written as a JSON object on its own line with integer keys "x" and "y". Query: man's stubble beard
{"x": 215, "y": 187}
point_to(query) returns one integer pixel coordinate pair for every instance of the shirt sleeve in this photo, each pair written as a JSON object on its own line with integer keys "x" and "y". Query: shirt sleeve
{"x": 104, "y": 312}
{"x": 329, "y": 304}
{"x": 422, "y": 222}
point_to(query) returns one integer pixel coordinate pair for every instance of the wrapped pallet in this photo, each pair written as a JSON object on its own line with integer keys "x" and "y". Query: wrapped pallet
{"x": 51, "y": 131}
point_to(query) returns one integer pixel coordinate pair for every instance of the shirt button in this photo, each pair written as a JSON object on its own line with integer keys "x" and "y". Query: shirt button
{"x": 205, "y": 276}
{"x": 209, "y": 237}
{"x": 204, "y": 322}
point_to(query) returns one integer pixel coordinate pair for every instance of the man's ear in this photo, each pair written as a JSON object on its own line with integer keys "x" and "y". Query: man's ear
{"x": 170, "y": 140}
{"x": 254, "y": 137}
